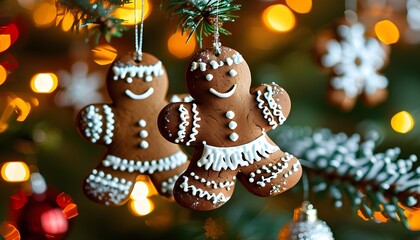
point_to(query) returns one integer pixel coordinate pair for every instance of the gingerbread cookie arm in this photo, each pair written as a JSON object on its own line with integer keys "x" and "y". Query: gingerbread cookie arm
{"x": 96, "y": 123}
{"x": 274, "y": 103}
{"x": 180, "y": 123}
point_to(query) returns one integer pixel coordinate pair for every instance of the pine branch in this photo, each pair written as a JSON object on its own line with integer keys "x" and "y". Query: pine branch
{"x": 344, "y": 166}
{"x": 95, "y": 16}
{"x": 199, "y": 16}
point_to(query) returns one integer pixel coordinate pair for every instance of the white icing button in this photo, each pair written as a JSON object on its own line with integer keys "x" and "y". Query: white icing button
{"x": 144, "y": 144}
{"x": 233, "y": 73}
{"x": 234, "y": 137}
{"x": 129, "y": 80}
{"x": 229, "y": 61}
{"x": 142, "y": 123}
{"x": 233, "y": 125}
{"x": 148, "y": 78}
{"x": 230, "y": 114}
{"x": 209, "y": 77}
{"x": 144, "y": 134}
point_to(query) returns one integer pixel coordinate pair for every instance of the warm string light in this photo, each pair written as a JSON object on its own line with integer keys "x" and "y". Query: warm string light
{"x": 5, "y": 42}
{"x": 15, "y": 171}
{"x": 44, "y": 82}
{"x": 131, "y": 12}
{"x": 14, "y": 105}
{"x": 402, "y": 122}
{"x": 45, "y": 14}
{"x": 178, "y": 47}
{"x": 387, "y": 32}
{"x": 300, "y": 6}
{"x": 3, "y": 74}
{"x": 104, "y": 54}
{"x": 141, "y": 203}
{"x": 279, "y": 18}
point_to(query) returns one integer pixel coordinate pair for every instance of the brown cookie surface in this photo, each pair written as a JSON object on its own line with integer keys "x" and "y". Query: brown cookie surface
{"x": 127, "y": 127}
{"x": 227, "y": 124}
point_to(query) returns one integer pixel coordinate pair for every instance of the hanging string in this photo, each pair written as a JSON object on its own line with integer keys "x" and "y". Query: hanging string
{"x": 216, "y": 43}
{"x": 305, "y": 184}
{"x": 350, "y": 12}
{"x": 138, "y": 37}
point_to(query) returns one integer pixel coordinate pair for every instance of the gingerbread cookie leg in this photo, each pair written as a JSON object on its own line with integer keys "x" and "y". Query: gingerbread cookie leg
{"x": 109, "y": 186}
{"x": 164, "y": 181}
{"x": 272, "y": 175}
{"x": 201, "y": 189}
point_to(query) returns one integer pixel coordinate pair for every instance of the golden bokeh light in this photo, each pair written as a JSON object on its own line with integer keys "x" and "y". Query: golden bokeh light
{"x": 300, "y": 6}
{"x": 15, "y": 172}
{"x": 3, "y": 74}
{"x": 140, "y": 191}
{"x": 141, "y": 207}
{"x": 178, "y": 47}
{"x": 44, "y": 82}
{"x": 67, "y": 22}
{"x": 104, "y": 54}
{"x": 279, "y": 18}
{"x": 22, "y": 108}
{"x": 402, "y": 122}
{"x": 45, "y": 14}
{"x": 5, "y": 42}
{"x": 387, "y": 32}
{"x": 127, "y": 11}
{"x": 413, "y": 219}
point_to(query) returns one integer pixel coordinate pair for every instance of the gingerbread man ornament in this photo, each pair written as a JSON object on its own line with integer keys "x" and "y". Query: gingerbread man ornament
{"x": 127, "y": 127}
{"x": 227, "y": 124}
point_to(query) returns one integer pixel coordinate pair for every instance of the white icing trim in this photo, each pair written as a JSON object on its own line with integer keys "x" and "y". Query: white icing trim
{"x": 218, "y": 158}
{"x": 237, "y": 58}
{"x": 226, "y": 184}
{"x": 142, "y": 96}
{"x": 219, "y": 198}
{"x": 103, "y": 186}
{"x": 94, "y": 123}
{"x": 224, "y": 95}
{"x": 195, "y": 124}
{"x": 273, "y": 110}
{"x": 184, "y": 115}
{"x": 121, "y": 71}
{"x": 160, "y": 165}
{"x": 167, "y": 186}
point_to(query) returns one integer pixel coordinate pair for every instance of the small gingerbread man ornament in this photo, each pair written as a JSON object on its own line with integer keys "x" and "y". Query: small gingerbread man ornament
{"x": 226, "y": 124}
{"x": 127, "y": 127}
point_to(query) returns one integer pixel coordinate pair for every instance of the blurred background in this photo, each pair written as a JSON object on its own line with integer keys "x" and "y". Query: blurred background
{"x": 47, "y": 73}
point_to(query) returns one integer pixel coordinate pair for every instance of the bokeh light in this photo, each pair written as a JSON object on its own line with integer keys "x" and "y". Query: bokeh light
{"x": 9, "y": 232}
{"x": 126, "y": 12}
{"x": 67, "y": 22}
{"x": 53, "y": 221}
{"x": 15, "y": 171}
{"x": 141, "y": 207}
{"x": 178, "y": 47}
{"x": 45, "y": 14}
{"x": 5, "y": 42}
{"x": 413, "y": 219}
{"x": 402, "y": 122}
{"x": 44, "y": 82}
{"x": 3, "y": 74}
{"x": 140, "y": 191}
{"x": 22, "y": 108}
{"x": 104, "y": 54}
{"x": 279, "y": 18}
{"x": 300, "y": 6}
{"x": 387, "y": 32}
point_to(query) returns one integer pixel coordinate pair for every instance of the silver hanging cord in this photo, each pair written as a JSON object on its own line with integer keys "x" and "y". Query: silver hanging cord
{"x": 305, "y": 184}
{"x": 138, "y": 37}
{"x": 216, "y": 43}
{"x": 350, "y": 12}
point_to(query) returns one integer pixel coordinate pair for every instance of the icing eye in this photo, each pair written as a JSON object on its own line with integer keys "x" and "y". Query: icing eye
{"x": 233, "y": 73}
{"x": 209, "y": 77}
{"x": 129, "y": 80}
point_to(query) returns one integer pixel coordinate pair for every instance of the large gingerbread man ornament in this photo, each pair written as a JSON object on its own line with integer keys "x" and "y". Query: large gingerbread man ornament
{"x": 227, "y": 124}
{"x": 128, "y": 128}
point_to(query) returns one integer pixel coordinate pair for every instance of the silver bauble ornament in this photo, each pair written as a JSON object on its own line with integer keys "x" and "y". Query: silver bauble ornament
{"x": 305, "y": 226}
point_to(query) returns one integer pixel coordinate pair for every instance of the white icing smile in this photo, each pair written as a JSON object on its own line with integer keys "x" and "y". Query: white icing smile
{"x": 224, "y": 95}
{"x": 142, "y": 96}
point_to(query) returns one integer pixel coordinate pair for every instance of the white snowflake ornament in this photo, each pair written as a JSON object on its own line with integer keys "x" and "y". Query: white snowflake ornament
{"x": 79, "y": 87}
{"x": 354, "y": 61}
